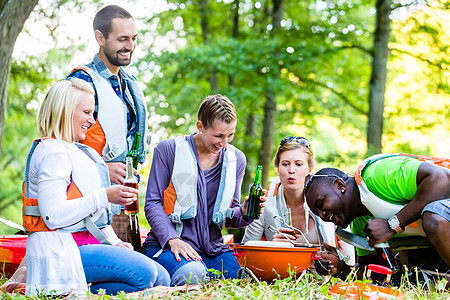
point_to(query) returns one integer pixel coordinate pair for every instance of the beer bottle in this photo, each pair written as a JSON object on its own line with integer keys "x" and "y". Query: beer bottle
{"x": 134, "y": 152}
{"x": 256, "y": 191}
{"x": 288, "y": 216}
{"x": 131, "y": 181}
{"x": 288, "y": 219}
{"x": 386, "y": 257}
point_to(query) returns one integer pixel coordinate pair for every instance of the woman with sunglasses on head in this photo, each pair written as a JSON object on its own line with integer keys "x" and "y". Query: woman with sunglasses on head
{"x": 294, "y": 161}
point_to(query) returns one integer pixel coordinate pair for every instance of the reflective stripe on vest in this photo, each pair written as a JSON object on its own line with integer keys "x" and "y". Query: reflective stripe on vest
{"x": 84, "y": 180}
{"x": 382, "y": 209}
{"x": 180, "y": 198}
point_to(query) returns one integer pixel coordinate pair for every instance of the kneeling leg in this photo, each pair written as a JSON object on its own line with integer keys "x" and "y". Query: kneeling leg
{"x": 437, "y": 229}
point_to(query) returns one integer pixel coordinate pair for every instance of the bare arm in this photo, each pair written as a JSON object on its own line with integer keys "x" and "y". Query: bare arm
{"x": 433, "y": 183}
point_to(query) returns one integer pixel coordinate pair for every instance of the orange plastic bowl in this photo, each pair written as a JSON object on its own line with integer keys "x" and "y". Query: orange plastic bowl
{"x": 12, "y": 251}
{"x": 269, "y": 262}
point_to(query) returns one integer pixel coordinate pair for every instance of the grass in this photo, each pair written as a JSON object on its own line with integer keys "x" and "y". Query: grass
{"x": 305, "y": 286}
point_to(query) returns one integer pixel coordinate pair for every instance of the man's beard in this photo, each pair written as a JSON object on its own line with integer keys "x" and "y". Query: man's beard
{"x": 114, "y": 60}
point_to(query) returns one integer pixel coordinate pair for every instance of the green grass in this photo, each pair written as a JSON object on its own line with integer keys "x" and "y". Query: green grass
{"x": 305, "y": 286}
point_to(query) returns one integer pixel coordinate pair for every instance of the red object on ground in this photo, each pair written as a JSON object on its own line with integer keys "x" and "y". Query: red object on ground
{"x": 12, "y": 251}
{"x": 380, "y": 269}
{"x": 359, "y": 290}
{"x": 269, "y": 262}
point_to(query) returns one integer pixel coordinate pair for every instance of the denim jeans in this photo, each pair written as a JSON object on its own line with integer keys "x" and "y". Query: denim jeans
{"x": 116, "y": 269}
{"x": 191, "y": 271}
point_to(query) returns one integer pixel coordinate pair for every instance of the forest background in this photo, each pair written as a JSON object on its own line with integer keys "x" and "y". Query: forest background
{"x": 355, "y": 77}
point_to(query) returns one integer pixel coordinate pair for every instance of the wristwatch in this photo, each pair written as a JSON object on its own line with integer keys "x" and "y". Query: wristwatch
{"x": 395, "y": 224}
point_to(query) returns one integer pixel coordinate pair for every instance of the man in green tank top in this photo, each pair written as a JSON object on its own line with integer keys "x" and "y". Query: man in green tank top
{"x": 422, "y": 190}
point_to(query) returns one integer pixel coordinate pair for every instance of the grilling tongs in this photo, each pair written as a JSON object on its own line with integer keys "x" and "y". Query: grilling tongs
{"x": 307, "y": 244}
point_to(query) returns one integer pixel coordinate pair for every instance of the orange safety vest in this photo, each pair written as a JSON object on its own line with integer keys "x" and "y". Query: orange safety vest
{"x": 32, "y": 219}
{"x": 180, "y": 197}
{"x": 108, "y": 135}
{"x": 36, "y": 223}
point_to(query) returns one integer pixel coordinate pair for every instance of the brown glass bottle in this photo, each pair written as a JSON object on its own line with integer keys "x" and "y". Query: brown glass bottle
{"x": 131, "y": 181}
{"x": 386, "y": 257}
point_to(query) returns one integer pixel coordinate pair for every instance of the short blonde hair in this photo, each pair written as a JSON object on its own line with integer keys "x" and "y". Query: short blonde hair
{"x": 216, "y": 107}
{"x": 292, "y": 143}
{"x": 54, "y": 118}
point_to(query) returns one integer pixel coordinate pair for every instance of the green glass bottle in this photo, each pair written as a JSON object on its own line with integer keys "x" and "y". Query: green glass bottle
{"x": 256, "y": 191}
{"x": 134, "y": 152}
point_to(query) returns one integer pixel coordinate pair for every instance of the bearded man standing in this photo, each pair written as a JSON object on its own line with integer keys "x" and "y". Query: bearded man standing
{"x": 120, "y": 109}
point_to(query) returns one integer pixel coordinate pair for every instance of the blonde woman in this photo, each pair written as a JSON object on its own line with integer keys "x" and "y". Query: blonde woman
{"x": 294, "y": 161}
{"x": 66, "y": 206}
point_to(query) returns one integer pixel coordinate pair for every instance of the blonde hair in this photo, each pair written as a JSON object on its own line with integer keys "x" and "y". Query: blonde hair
{"x": 292, "y": 145}
{"x": 216, "y": 107}
{"x": 54, "y": 118}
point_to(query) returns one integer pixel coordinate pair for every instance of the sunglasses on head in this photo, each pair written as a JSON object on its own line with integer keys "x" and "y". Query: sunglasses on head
{"x": 309, "y": 178}
{"x": 298, "y": 139}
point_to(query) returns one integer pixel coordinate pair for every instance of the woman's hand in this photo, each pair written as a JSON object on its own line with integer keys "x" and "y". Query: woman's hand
{"x": 124, "y": 245}
{"x": 177, "y": 246}
{"x": 285, "y": 235}
{"x": 123, "y": 195}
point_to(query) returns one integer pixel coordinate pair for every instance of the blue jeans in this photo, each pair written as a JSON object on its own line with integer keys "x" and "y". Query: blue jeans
{"x": 116, "y": 269}
{"x": 190, "y": 271}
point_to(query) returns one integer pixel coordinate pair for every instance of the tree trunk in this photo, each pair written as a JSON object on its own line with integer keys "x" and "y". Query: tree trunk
{"x": 250, "y": 140}
{"x": 235, "y": 33}
{"x": 277, "y": 16}
{"x": 236, "y": 19}
{"x": 268, "y": 132}
{"x": 13, "y": 14}
{"x": 203, "y": 6}
{"x": 378, "y": 77}
{"x": 270, "y": 108}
